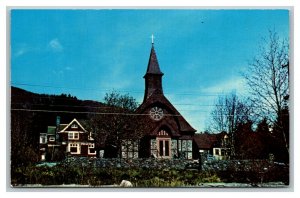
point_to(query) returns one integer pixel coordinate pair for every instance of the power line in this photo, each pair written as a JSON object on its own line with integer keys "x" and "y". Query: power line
{"x": 100, "y": 107}
{"x": 114, "y": 113}
{"x": 124, "y": 91}
{"x": 46, "y": 105}
{"x": 61, "y": 87}
{"x": 96, "y": 107}
{"x": 88, "y": 112}
{"x": 109, "y": 107}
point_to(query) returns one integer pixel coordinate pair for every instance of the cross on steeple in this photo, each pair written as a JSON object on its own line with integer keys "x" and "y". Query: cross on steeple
{"x": 152, "y": 38}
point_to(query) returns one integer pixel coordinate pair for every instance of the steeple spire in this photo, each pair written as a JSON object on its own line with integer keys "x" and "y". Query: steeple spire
{"x": 153, "y": 76}
{"x": 153, "y": 66}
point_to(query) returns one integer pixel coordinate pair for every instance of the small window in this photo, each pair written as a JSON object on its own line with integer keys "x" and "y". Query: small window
{"x": 217, "y": 152}
{"x": 73, "y": 135}
{"x": 162, "y": 133}
{"x": 74, "y": 126}
{"x": 223, "y": 152}
{"x": 91, "y": 146}
{"x": 51, "y": 139}
{"x": 129, "y": 148}
{"x": 74, "y": 148}
{"x": 43, "y": 139}
{"x": 92, "y": 151}
{"x": 185, "y": 148}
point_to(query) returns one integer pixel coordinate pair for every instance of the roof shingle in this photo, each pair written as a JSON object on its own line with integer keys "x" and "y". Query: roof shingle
{"x": 153, "y": 66}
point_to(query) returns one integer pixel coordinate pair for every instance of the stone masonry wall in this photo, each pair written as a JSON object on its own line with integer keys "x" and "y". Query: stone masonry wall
{"x": 129, "y": 163}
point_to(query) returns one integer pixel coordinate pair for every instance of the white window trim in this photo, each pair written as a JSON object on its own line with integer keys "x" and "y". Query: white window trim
{"x": 73, "y": 145}
{"x": 215, "y": 151}
{"x": 91, "y": 146}
{"x": 51, "y": 139}
{"x": 45, "y": 138}
{"x": 164, "y": 147}
{"x": 73, "y": 135}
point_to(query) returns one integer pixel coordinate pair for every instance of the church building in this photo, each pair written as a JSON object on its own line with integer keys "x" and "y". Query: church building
{"x": 166, "y": 133}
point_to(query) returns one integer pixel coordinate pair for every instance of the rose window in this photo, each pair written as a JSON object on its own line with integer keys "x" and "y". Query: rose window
{"x": 156, "y": 113}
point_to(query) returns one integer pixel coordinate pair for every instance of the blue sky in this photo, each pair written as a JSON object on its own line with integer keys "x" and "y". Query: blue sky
{"x": 90, "y": 52}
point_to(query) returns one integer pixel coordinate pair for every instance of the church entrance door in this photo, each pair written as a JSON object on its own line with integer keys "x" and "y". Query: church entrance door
{"x": 164, "y": 147}
{"x": 163, "y": 141}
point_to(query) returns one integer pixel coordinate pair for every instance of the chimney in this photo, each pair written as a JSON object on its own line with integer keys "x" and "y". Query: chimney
{"x": 57, "y": 128}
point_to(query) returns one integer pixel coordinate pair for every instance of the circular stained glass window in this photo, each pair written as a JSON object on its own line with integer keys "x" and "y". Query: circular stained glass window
{"x": 156, "y": 113}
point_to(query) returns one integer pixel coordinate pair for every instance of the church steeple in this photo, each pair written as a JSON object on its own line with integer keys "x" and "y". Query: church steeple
{"x": 153, "y": 66}
{"x": 153, "y": 76}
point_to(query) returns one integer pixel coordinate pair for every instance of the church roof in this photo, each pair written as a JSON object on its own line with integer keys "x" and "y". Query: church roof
{"x": 153, "y": 66}
{"x": 180, "y": 123}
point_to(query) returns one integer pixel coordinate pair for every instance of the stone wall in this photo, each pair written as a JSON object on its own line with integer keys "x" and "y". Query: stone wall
{"x": 128, "y": 163}
{"x": 154, "y": 163}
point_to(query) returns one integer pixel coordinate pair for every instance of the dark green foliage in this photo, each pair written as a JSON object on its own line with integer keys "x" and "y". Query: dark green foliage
{"x": 59, "y": 175}
{"x": 120, "y": 123}
{"x": 115, "y": 99}
{"x": 252, "y": 172}
{"x": 24, "y": 148}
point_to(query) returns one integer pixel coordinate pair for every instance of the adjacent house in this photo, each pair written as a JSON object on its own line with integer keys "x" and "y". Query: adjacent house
{"x": 211, "y": 145}
{"x": 66, "y": 139}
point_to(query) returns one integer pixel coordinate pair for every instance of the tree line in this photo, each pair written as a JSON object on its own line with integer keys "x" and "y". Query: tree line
{"x": 258, "y": 125}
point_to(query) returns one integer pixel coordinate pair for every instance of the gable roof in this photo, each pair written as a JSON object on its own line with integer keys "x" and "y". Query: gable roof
{"x": 181, "y": 123}
{"x": 208, "y": 140}
{"x": 205, "y": 140}
{"x": 74, "y": 120}
{"x": 153, "y": 66}
{"x": 62, "y": 126}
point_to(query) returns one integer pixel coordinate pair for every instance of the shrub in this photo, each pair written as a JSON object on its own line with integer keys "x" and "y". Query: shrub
{"x": 89, "y": 174}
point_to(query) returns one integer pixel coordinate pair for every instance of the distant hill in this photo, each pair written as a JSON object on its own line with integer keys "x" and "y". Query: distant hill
{"x": 50, "y": 106}
{"x": 31, "y": 113}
